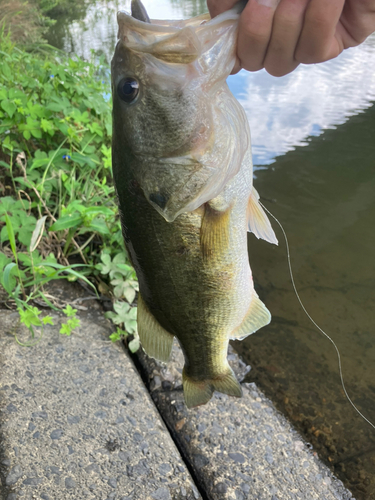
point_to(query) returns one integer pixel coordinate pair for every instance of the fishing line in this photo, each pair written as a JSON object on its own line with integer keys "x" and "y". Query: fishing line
{"x": 313, "y": 322}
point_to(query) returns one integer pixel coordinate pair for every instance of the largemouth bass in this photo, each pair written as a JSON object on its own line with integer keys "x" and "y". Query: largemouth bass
{"x": 183, "y": 173}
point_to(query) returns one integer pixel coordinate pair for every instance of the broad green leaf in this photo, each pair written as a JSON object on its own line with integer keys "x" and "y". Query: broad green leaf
{"x": 47, "y": 320}
{"x": 15, "y": 93}
{"x": 114, "y": 337}
{"x": 124, "y": 268}
{"x": 82, "y": 160}
{"x": 4, "y": 260}
{"x": 99, "y": 210}
{"x": 5, "y": 69}
{"x": 55, "y": 106}
{"x": 130, "y": 325}
{"x": 36, "y": 132}
{"x": 69, "y": 311}
{"x": 65, "y": 329}
{"x": 9, "y": 107}
{"x": 29, "y": 316}
{"x": 25, "y": 258}
{"x": 4, "y": 235}
{"x": 67, "y": 222}
{"x": 129, "y": 294}
{"x": 8, "y": 281}
{"x": 36, "y": 110}
{"x": 134, "y": 344}
{"x": 100, "y": 226}
{"x": 119, "y": 258}
{"x": 40, "y": 162}
{"x": 47, "y": 126}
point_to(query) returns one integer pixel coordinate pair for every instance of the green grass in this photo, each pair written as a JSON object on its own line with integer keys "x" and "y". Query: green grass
{"x": 58, "y": 212}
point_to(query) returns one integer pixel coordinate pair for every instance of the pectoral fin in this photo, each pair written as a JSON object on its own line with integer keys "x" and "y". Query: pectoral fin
{"x": 155, "y": 340}
{"x": 214, "y": 231}
{"x": 197, "y": 392}
{"x": 258, "y": 222}
{"x": 257, "y": 316}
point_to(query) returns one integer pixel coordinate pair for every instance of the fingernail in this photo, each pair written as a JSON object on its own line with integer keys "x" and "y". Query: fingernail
{"x": 268, "y": 3}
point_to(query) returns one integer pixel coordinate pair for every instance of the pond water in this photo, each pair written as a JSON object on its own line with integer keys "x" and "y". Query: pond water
{"x": 313, "y": 135}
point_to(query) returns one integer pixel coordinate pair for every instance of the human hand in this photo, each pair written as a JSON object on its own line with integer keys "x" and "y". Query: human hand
{"x": 278, "y": 35}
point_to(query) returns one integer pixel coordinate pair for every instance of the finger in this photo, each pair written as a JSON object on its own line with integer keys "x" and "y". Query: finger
{"x": 357, "y": 22}
{"x": 317, "y": 43}
{"x": 255, "y": 32}
{"x": 286, "y": 30}
{"x": 216, "y": 7}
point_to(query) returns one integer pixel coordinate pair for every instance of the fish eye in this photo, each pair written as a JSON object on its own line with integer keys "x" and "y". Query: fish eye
{"x": 128, "y": 89}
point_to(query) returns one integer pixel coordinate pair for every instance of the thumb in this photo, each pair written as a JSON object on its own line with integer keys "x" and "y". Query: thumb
{"x": 216, "y": 7}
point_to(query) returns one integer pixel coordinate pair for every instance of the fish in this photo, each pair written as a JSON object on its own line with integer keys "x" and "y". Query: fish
{"x": 182, "y": 168}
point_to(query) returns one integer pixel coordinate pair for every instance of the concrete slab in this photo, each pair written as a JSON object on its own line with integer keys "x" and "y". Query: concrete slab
{"x": 76, "y": 421}
{"x": 239, "y": 449}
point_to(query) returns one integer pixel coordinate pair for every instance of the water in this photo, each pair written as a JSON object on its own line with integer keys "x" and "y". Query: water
{"x": 313, "y": 135}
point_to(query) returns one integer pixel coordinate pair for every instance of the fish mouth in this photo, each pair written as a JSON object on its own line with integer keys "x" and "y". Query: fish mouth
{"x": 172, "y": 40}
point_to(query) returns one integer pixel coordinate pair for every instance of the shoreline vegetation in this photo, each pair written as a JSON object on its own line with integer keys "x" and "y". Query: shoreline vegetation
{"x": 58, "y": 210}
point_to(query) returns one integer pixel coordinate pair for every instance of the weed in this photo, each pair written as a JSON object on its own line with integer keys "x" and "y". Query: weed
{"x": 72, "y": 322}
{"x": 58, "y": 212}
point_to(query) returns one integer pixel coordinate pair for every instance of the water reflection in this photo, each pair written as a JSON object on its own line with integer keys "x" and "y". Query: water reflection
{"x": 324, "y": 196}
{"x": 94, "y": 27}
{"x": 189, "y": 8}
{"x": 285, "y": 112}
{"x": 95, "y": 31}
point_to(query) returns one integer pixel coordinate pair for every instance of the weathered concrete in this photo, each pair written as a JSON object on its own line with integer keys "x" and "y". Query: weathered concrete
{"x": 76, "y": 421}
{"x": 239, "y": 449}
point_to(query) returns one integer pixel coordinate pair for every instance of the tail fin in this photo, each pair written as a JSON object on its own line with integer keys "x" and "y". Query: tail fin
{"x": 199, "y": 392}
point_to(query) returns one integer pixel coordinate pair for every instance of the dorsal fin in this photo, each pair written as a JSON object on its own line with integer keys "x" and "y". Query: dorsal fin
{"x": 139, "y": 11}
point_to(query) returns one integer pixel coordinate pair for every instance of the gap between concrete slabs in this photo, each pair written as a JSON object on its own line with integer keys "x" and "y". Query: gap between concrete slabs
{"x": 77, "y": 422}
{"x": 77, "y": 419}
{"x": 238, "y": 449}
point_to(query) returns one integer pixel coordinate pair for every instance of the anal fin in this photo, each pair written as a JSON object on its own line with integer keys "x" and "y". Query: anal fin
{"x": 199, "y": 392}
{"x": 257, "y": 316}
{"x": 155, "y": 340}
{"x": 258, "y": 222}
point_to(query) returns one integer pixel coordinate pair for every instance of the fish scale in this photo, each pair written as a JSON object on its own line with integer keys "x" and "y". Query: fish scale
{"x": 183, "y": 174}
